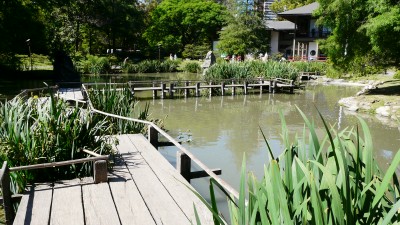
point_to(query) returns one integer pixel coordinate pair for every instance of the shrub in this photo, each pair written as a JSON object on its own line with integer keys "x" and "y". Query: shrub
{"x": 397, "y": 75}
{"x": 192, "y": 67}
{"x": 95, "y": 65}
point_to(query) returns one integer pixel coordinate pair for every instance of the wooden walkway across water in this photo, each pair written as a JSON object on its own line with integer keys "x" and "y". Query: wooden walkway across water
{"x": 170, "y": 87}
{"x": 142, "y": 188}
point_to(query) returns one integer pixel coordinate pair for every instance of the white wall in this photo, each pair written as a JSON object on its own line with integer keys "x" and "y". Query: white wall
{"x": 312, "y": 46}
{"x": 274, "y": 41}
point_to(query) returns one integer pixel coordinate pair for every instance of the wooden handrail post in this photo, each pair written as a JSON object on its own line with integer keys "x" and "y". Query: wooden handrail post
{"x": 153, "y": 136}
{"x": 5, "y": 189}
{"x": 223, "y": 88}
{"x": 100, "y": 171}
{"x": 183, "y": 165}
{"x": 197, "y": 89}
{"x": 154, "y": 91}
{"x": 233, "y": 87}
{"x": 171, "y": 90}
{"x": 245, "y": 86}
{"x": 186, "y": 89}
{"x": 163, "y": 85}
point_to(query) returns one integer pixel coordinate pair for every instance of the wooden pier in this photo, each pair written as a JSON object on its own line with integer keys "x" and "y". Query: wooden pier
{"x": 193, "y": 88}
{"x": 142, "y": 188}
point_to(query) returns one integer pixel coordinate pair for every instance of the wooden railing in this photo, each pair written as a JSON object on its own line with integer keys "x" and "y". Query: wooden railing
{"x": 99, "y": 174}
{"x": 153, "y": 133}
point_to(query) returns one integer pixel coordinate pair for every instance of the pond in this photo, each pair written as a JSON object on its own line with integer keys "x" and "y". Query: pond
{"x": 220, "y": 130}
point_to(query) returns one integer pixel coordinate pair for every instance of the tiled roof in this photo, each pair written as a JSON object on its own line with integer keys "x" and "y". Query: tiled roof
{"x": 279, "y": 25}
{"x": 304, "y": 10}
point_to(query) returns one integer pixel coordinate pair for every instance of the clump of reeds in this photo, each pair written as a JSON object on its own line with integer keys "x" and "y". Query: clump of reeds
{"x": 267, "y": 70}
{"x": 119, "y": 101}
{"x": 152, "y": 66}
{"x": 329, "y": 180}
{"x": 40, "y": 130}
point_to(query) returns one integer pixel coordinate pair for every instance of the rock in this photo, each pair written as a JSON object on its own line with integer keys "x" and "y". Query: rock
{"x": 383, "y": 111}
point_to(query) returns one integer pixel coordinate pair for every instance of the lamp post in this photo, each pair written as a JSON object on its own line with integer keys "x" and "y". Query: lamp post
{"x": 159, "y": 52}
{"x": 28, "y": 42}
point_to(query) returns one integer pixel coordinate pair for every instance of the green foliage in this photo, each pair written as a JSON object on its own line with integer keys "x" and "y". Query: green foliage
{"x": 95, "y": 65}
{"x": 191, "y": 67}
{"x": 196, "y": 51}
{"x": 175, "y": 24}
{"x": 397, "y": 75}
{"x": 40, "y": 130}
{"x": 244, "y": 34}
{"x": 328, "y": 180}
{"x": 48, "y": 130}
{"x": 364, "y": 33}
{"x": 254, "y": 69}
{"x": 106, "y": 98}
{"x": 152, "y": 66}
{"x": 8, "y": 62}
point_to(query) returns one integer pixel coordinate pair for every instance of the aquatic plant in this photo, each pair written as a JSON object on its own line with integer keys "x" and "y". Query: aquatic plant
{"x": 40, "y": 130}
{"x": 329, "y": 180}
{"x": 152, "y": 66}
{"x": 106, "y": 97}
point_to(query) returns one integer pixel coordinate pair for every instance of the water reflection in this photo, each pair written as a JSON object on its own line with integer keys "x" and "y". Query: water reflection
{"x": 224, "y": 128}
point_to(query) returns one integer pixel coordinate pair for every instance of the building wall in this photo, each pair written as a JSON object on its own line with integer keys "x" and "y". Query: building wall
{"x": 274, "y": 41}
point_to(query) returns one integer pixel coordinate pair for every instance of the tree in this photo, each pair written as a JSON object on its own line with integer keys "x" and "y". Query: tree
{"x": 364, "y": 33}
{"x": 244, "y": 34}
{"x": 383, "y": 31}
{"x": 177, "y": 23}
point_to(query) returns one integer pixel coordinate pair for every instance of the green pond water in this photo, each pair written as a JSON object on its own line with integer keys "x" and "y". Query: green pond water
{"x": 220, "y": 130}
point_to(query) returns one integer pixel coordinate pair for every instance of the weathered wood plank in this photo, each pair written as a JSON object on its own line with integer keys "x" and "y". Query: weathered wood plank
{"x": 67, "y": 203}
{"x": 130, "y": 204}
{"x": 98, "y": 204}
{"x": 161, "y": 205}
{"x": 172, "y": 180}
{"x": 35, "y": 205}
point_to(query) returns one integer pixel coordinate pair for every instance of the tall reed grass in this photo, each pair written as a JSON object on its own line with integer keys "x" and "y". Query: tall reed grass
{"x": 119, "y": 101}
{"x": 267, "y": 70}
{"x": 43, "y": 130}
{"x": 152, "y": 66}
{"x": 40, "y": 130}
{"x": 329, "y": 180}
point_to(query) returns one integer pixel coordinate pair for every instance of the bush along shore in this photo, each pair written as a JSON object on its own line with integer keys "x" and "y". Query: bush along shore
{"x": 42, "y": 130}
{"x": 329, "y": 180}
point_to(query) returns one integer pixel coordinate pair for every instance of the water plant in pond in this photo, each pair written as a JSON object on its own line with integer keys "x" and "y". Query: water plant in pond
{"x": 152, "y": 66}
{"x": 329, "y": 180}
{"x": 106, "y": 97}
{"x": 40, "y": 130}
{"x": 267, "y": 70}
{"x": 48, "y": 129}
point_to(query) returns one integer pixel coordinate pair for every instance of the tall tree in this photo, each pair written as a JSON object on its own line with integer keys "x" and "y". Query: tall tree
{"x": 244, "y": 34}
{"x": 363, "y": 32}
{"x": 176, "y": 23}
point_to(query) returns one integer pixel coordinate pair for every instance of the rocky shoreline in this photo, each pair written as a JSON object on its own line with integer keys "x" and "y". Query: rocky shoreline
{"x": 369, "y": 100}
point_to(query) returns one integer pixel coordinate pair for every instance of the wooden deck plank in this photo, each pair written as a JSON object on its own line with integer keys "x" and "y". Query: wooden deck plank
{"x": 172, "y": 180}
{"x": 130, "y": 204}
{"x": 161, "y": 205}
{"x": 35, "y": 206}
{"x": 67, "y": 203}
{"x": 98, "y": 204}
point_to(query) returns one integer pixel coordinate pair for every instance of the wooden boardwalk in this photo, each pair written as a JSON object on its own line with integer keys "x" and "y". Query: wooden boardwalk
{"x": 170, "y": 87}
{"x": 142, "y": 188}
